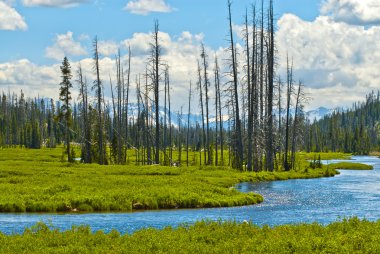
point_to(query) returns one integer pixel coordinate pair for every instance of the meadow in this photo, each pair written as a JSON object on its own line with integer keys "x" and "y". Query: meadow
{"x": 38, "y": 181}
{"x": 347, "y": 236}
{"x": 350, "y": 166}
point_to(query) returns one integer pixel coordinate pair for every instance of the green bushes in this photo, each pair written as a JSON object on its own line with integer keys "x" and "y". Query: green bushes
{"x": 348, "y": 236}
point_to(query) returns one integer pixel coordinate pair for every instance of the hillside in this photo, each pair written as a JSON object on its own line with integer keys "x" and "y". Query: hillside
{"x": 354, "y": 130}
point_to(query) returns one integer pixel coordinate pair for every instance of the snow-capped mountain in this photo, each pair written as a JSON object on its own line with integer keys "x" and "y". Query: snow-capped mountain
{"x": 196, "y": 118}
{"x": 319, "y": 113}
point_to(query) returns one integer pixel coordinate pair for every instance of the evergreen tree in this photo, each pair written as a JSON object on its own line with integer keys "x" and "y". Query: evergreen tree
{"x": 65, "y": 97}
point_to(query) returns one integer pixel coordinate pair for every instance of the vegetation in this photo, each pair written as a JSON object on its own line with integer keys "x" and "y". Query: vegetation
{"x": 325, "y": 156}
{"x": 348, "y": 236}
{"x": 351, "y": 165}
{"x": 354, "y": 130}
{"x": 37, "y": 181}
{"x": 244, "y": 100}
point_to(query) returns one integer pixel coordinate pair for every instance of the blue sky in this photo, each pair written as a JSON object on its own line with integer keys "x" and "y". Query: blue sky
{"x": 335, "y": 44}
{"x": 110, "y": 21}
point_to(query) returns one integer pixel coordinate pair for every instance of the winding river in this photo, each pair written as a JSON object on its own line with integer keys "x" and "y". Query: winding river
{"x": 324, "y": 200}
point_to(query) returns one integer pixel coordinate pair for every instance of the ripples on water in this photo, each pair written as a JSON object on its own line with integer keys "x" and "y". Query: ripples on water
{"x": 352, "y": 193}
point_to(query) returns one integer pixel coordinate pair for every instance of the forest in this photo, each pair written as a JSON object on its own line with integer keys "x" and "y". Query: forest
{"x": 256, "y": 117}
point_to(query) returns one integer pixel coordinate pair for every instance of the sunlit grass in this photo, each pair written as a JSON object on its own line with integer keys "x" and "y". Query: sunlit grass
{"x": 347, "y": 236}
{"x": 350, "y": 165}
{"x": 37, "y": 181}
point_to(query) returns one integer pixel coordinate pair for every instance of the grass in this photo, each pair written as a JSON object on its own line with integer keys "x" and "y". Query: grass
{"x": 347, "y": 236}
{"x": 37, "y": 181}
{"x": 351, "y": 166}
{"x": 325, "y": 156}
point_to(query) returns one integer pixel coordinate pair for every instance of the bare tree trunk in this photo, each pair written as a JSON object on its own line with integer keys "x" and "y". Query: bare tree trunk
{"x": 293, "y": 150}
{"x": 289, "y": 94}
{"x": 98, "y": 87}
{"x": 279, "y": 120}
{"x": 219, "y": 108}
{"x": 216, "y": 76}
{"x": 164, "y": 143}
{"x": 269, "y": 137}
{"x": 156, "y": 54}
{"x": 202, "y": 111}
{"x": 147, "y": 126}
{"x": 239, "y": 145}
{"x": 188, "y": 128}
{"x": 249, "y": 91}
{"x": 126, "y": 104}
{"x": 86, "y": 121}
{"x": 206, "y": 85}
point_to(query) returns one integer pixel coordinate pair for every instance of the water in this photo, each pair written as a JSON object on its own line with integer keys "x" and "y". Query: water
{"x": 324, "y": 200}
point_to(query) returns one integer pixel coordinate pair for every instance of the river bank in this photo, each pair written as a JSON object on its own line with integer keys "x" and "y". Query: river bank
{"x": 36, "y": 181}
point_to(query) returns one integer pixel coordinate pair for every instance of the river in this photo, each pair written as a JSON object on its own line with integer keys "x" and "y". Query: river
{"x": 324, "y": 200}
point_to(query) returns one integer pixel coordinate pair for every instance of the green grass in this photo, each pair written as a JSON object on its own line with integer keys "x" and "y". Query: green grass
{"x": 37, "y": 181}
{"x": 350, "y": 165}
{"x": 348, "y": 236}
{"x": 325, "y": 156}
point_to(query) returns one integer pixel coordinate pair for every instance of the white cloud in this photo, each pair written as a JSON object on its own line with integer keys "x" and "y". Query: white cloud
{"x": 361, "y": 12}
{"x": 144, "y": 7}
{"x": 65, "y": 45}
{"x": 108, "y": 48}
{"x": 53, "y": 3}
{"x": 337, "y": 61}
{"x": 32, "y": 79}
{"x": 10, "y": 19}
{"x": 180, "y": 52}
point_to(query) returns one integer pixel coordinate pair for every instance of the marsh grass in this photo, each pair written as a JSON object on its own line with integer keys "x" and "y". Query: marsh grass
{"x": 350, "y": 166}
{"x": 37, "y": 181}
{"x": 347, "y": 236}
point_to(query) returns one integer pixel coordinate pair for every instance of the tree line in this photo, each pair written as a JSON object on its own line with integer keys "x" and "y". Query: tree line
{"x": 354, "y": 130}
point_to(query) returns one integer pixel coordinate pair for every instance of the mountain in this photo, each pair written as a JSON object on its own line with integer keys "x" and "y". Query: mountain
{"x": 196, "y": 118}
{"x": 319, "y": 113}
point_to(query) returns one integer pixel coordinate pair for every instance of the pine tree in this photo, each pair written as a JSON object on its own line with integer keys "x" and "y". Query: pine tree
{"x": 65, "y": 97}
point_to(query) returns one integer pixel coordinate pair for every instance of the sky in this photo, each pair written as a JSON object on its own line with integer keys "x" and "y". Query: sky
{"x": 334, "y": 44}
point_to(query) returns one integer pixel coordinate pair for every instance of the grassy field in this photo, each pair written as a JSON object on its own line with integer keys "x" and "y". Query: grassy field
{"x": 37, "y": 181}
{"x": 324, "y": 156}
{"x": 351, "y": 166}
{"x": 347, "y": 236}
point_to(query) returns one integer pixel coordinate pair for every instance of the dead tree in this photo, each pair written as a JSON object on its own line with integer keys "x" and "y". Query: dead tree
{"x": 98, "y": 90}
{"x": 206, "y": 85}
{"x": 238, "y": 151}
{"x": 188, "y": 128}
{"x": 289, "y": 81}
{"x": 156, "y": 61}
{"x": 269, "y": 117}
{"x": 218, "y": 112}
{"x": 200, "y": 87}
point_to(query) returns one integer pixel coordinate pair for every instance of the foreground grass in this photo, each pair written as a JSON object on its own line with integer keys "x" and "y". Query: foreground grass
{"x": 351, "y": 166}
{"x": 36, "y": 181}
{"x": 347, "y": 236}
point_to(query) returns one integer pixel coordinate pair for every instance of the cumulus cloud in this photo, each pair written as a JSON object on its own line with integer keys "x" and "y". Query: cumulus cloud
{"x": 10, "y": 19}
{"x": 108, "y": 48}
{"x": 361, "y": 12}
{"x": 331, "y": 56}
{"x": 180, "y": 52}
{"x": 144, "y": 7}
{"x": 54, "y": 3}
{"x": 31, "y": 78}
{"x": 65, "y": 45}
